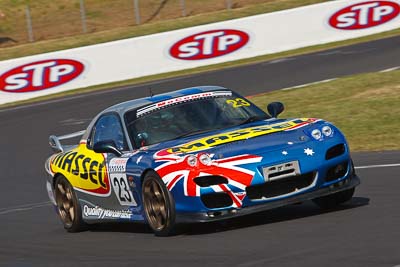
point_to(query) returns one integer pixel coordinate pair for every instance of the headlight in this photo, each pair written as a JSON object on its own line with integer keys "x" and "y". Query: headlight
{"x": 205, "y": 159}
{"x": 192, "y": 160}
{"x": 316, "y": 134}
{"x": 327, "y": 131}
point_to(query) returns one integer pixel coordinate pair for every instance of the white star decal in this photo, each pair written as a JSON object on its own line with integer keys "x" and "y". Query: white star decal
{"x": 284, "y": 153}
{"x": 309, "y": 151}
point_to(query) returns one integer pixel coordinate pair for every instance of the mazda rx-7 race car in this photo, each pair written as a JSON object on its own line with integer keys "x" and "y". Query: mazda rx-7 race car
{"x": 195, "y": 155}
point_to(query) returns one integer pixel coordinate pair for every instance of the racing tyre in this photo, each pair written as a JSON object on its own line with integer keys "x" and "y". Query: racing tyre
{"x": 332, "y": 201}
{"x": 68, "y": 206}
{"x": 159, "y": 206}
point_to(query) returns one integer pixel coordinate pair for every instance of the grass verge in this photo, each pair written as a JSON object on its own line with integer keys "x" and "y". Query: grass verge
{"x": 365, "y": 107}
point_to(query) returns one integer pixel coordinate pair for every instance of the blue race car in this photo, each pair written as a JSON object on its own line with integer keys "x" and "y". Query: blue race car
{"x": 194, "y": 155}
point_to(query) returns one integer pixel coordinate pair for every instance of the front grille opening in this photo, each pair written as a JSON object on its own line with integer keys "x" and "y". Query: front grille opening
{"x": 280, "y": 187}
{"x": 217, "y": 200}
{"x": 335, "y": 151}
{"x": 336, "y": 172}
{"x": 276, "y": 174}
{"x": 209, "y": 180}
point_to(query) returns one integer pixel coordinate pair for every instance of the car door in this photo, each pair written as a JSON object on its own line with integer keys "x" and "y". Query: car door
{"x": 109, "y": 128}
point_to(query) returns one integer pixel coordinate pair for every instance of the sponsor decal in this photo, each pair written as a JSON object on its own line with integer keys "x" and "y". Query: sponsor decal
{"x": 117, "y": 165}
{"x": 365, "y": 15}
{"x": 85, "y": 170}
{"x": 100, "y": 213}
{"x": 209, "y": 44}
{"x": 238, "y": 103}
{"x": 176, "y": 168}
{"x": 117, "y": 171}
{"x": 40, "y": 75}
{"x": 242, "y": 134}
{"x": 177, "y": 100}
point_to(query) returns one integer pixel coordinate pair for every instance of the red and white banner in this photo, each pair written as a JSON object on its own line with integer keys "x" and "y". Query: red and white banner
{"x": 50, "y": 73}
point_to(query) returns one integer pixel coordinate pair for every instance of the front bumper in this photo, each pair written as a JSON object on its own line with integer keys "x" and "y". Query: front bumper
{"x": 230, "y": 213}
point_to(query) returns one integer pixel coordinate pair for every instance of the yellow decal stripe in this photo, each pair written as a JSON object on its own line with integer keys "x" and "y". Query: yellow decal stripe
{"x": 242, "y": 134}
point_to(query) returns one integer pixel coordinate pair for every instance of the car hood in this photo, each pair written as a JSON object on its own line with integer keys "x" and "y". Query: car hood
{"x": 272, "y": 134}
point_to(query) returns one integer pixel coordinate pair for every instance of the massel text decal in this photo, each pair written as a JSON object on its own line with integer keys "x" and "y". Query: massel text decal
{"x": 209, "y": 44}
{"x": 241, "y": 134}
{"x": 84, "y": 169}
{"x": 40, "y": 75}
{"x": 365, "y": 15}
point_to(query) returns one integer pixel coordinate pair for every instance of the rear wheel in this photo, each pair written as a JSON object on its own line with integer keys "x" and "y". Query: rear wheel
{"x": 68, "y": 206}
{"x": 332, "y": 201}
{"x": 159, "y": 206}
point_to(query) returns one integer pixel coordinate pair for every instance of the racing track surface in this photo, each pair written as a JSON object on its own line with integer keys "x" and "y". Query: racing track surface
{"x": 365, "y": 232}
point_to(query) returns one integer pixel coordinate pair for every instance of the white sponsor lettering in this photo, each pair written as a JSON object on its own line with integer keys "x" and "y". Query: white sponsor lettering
{"x": 39, "y": 75}
{"x": 205, "y": 44}
{"x": 180, "y": 100}
{"x": 382, "y": 11}
{"x": 208, "y": 40}
{"x": 16, "y": 81}
{"x": 189, "y": 49}
{"x": 38, "y": 72}
{"x": 346, "y": 20}
{"x": 363, "y": 13}
{"x": 101, "y": 213}
{"x": 227, "y": 40}
{"x": 58, "y": 71}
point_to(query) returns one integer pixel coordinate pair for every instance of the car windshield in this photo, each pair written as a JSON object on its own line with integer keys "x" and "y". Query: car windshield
{"x": 177, "y": 119}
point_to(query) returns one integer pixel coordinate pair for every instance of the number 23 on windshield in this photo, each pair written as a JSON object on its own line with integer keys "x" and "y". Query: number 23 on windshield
{"x": 238, "y": 102}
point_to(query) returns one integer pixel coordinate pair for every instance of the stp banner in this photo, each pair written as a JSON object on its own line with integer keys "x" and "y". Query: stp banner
{"x": 50, "y": 73}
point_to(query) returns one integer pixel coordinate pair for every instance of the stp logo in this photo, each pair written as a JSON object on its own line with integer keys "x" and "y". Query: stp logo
{"x": 209, "y": 44}
{"x": 364, "y": 15}
{"x": 40, "y": 75}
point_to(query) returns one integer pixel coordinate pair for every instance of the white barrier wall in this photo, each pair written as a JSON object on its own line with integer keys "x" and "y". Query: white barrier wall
{"x": 50, "y": 73}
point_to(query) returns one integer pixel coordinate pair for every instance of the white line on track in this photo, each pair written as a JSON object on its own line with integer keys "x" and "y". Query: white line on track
{"x": 390, "y": 69}
{"x": 27, "y": 207}
{"x": 24, "y": 207}
{"x": 279, "y": 60}
{"x": 378, "y": 166}
{"x": 307, "y": 84}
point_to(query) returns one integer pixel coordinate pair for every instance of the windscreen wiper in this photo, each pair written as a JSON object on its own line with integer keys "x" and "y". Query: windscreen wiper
{"x": 199, "y": 131}
{"x": 252, "y": 119}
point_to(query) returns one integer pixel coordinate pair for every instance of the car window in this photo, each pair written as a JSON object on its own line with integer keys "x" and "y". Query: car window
{"x": 108, "y": 127}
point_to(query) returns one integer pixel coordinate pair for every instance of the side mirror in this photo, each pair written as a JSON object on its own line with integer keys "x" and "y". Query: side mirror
{"x": 107, "y": 146}
{"x": 275, "y": 108}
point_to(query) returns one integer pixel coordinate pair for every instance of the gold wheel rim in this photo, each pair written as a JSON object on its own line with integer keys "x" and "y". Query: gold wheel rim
{"x": 65, "y": 203}
{"x": 155, "y": 205}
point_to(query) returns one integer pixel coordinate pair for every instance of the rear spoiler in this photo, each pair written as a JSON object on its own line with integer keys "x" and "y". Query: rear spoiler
{"x": 55, "y": 143}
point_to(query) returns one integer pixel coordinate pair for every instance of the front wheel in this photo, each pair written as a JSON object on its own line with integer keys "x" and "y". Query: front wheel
{"x": 159, "y": 206}
{"x": 68, "y": 206}
{"x": 332, "y": 201}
